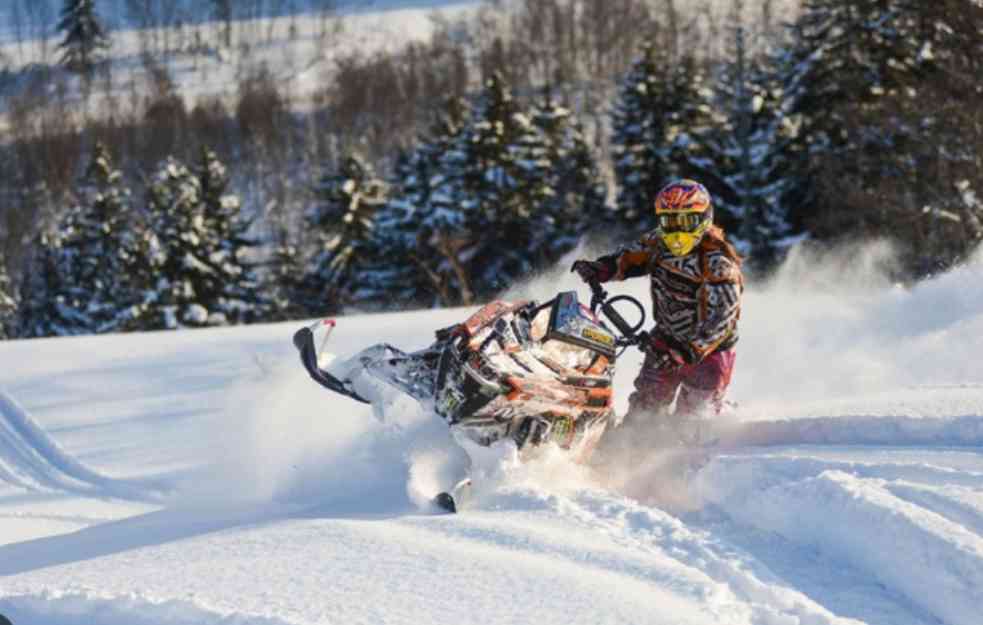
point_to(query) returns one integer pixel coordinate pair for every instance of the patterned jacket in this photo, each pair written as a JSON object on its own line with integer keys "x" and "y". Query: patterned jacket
{"x": 696, "y": 299}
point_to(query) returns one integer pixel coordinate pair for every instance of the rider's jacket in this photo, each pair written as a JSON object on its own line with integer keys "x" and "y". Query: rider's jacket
{"x": 696, "y": 298}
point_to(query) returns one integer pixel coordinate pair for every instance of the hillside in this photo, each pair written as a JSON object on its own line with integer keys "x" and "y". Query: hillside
{"x": 201, "y": 477}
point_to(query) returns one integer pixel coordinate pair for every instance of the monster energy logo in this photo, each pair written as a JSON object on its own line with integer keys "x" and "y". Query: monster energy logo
{"x": 595, "y": 335}
{"x": 561, "y": 428}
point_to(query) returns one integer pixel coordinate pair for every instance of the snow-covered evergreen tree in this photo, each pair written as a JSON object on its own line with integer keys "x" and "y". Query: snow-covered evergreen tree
{"x": 285, "y": 278}
{"x": 8, "y": 307}
{"x": 933, "y": 173}
{"x": 502, "y": 206}
{"x": 199, "y": 250}
{"x": 745, "y": 162}
{"x": 42, "y": 309}
{"x": 478, "y": 219}
{"x": 97, "y": 247}
{"x": 409, "y": 266}
{"x": 445, "y": 220}
{"x": 85, "y": 37}
{"x": 232, "y": 252}
{"x": 502, "y": 183}
{"x": 873, "y": 154}
{"x": 342, "y": 219}
{"x": 573, "y": 200}
{"x": 660, "y": 108}
{"x": 489, "y": 197}
{"x": 185, "y": 281}
{"x": 394, "y": 274}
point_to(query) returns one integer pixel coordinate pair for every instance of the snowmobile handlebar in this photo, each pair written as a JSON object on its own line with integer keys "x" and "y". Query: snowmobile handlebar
{"x": 630, "y": 335}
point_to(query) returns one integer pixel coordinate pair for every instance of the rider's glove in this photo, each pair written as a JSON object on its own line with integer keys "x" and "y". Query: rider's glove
{"x": 667, "y": 361}
{"x": 590, "y": 271}
{"x": 664, "y": 356}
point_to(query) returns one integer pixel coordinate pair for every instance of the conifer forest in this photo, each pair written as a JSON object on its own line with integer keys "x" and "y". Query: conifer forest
{"x": 441, "y": 170}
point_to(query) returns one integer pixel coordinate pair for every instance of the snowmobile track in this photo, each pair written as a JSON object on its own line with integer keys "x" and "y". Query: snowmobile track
{"x": 31, "y": 460}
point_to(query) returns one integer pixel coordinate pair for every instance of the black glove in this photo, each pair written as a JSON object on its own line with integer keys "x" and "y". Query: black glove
{"x": 664, "y": 356}
{"x": 667, "y": 361}
{"x": 589, "y": 271}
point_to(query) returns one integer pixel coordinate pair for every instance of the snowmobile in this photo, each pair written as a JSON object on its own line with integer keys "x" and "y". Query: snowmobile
{"x": 535, "y": 373}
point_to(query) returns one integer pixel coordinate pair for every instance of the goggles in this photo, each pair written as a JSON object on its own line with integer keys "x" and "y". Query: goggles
{"x": 679, "y": 222}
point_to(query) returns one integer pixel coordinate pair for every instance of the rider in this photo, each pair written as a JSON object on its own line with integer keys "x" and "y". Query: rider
{"x": 696, "y": 285}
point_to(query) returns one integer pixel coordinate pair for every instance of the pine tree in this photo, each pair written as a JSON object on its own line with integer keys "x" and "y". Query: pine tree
{"x": 410, "y": 266}
{"x": 343, "y": 219}
{"x": 174, "y": 216}
{"x": 830, "y": 66}
{"x": 445, "y": 220}
{"x": 395, "y": 273}
{"x": 85, "y": 36}
{"x": 503, "y": 183}
{"x": 874, "y": 80}
{"x": 658, "y": 112}
{"x": 8, "y": 307}
{"x": 231, "y": 251}
{"x": 478, "y": 220}
{"x": 745, "y": 149}
{"x": 43, "y": 309}
{"x": 97, "y": 246}
{"x": 491, "y": 196}
{"x": 199, "y": 250}
{"x": 573, "y": 199}
{"x": 936, "y": 172}
{"x": 502, "y": 210}
{"x": 285, "y": 279}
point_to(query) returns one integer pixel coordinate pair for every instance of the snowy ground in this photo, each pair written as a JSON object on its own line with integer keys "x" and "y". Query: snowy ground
{"x": 300, "y": 50}
{"x": 200, "y": 477}
{"x": 292, "y": 41}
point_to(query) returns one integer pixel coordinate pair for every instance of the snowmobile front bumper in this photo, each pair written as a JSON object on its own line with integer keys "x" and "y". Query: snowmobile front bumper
{"x": 304, "y": 342}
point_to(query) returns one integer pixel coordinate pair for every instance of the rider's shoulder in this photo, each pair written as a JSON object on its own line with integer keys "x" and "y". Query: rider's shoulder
{"x": 646, "y": 243}
{"x": 720, "y": 266}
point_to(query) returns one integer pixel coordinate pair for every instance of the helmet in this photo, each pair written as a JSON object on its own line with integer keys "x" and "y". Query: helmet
{"x": 684, "y": 213}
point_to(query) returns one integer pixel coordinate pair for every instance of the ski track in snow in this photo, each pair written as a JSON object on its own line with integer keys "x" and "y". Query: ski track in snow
{"x": 30, "y": 459}
{"x": 858, "y": 500}
{"x": 914, "y": 528}
{"x": 796, "y": 491}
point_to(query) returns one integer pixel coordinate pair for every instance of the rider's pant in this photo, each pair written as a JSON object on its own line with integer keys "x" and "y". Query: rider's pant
{"x": 700, "y": 387}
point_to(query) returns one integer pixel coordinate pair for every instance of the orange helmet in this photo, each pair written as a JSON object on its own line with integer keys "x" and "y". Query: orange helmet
{"x": 684, "y": 213}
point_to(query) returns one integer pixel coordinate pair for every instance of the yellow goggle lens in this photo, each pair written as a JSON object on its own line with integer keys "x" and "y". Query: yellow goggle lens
{"x": 679, "y": 222}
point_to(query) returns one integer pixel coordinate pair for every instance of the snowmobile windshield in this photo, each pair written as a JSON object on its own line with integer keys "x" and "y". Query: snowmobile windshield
{"x": 572, "y": 323}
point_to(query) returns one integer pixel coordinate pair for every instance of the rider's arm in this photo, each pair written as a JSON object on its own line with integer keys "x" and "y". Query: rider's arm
{"x": 631, "y": 261}
{"x": 721, "y": 298}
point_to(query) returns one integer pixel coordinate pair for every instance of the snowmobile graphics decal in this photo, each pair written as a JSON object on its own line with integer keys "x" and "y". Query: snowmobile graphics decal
{"x": 599, "y": 337}
{"x": 532, "y": 373}
{"x": 575, "y": 324}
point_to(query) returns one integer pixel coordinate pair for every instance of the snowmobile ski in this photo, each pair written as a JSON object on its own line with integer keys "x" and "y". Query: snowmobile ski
{"x": 445, "y": 501}
{"x": 457, "y": 497}
{"x": 304, "y": 342}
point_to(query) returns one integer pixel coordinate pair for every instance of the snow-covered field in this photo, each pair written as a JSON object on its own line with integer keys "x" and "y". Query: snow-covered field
{"x": 300, "y": 50}
{"x": 201, "y": 477}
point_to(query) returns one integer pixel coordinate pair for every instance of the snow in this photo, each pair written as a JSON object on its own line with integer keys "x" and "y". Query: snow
{"x": 301, "y": 48}
{"x": 200, "y": 477}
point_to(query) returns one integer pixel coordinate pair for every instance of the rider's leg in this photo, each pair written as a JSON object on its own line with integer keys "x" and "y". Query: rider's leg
{"x": 654, "y": 393}
{"x": 704, "y": 386}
